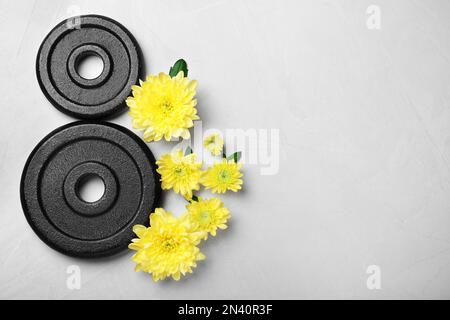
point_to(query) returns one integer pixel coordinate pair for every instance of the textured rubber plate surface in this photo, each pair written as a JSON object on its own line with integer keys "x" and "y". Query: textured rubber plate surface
{"x": 66, "y": 45}
{"x": 51, "y": 201}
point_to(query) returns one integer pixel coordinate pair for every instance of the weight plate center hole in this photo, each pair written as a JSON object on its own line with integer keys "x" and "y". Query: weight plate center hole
{"x": 90, "y": 66}
{"x": 90, "y": 188}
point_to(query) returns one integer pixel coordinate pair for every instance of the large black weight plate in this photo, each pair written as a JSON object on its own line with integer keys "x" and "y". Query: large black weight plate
{"x": 50, "y": 180}
{"x": 65, "y": 46}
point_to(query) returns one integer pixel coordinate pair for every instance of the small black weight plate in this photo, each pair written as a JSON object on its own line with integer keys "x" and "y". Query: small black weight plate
{"x": 50, "y": 180}
{"x": 65, "y": 46}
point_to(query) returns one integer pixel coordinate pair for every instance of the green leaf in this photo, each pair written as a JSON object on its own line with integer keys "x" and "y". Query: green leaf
{"x": 188, "y": 151}
{"x": 180, "y": 65}
{"x": 235, "y": 156}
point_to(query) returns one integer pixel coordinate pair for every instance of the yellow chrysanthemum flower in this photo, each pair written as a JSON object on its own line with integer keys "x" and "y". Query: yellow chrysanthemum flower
{"x": 206, "y": 216}
{"x": 182, "y": 173}
{"x": 223, "y": 176}
{"x": 164, "y": 107}
{"x": 214, "y": 144}
{"x": 167, "y": 248}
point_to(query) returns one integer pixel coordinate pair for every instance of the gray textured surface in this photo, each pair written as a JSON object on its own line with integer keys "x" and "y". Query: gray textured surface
{"x": 364, "y": 119}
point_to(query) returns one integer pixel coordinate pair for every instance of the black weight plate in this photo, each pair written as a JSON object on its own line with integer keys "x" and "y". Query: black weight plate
{"x": 65, "y": 46}
{"x": 50, "y": 180}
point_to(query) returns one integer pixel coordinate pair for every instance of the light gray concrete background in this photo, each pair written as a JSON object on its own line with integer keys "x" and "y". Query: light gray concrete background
{"x": 364, "y": 152}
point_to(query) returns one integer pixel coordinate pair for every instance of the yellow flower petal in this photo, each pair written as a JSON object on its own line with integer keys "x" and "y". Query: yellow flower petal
{"x": 214, "y": 144}
{"x": 168, "y": 248}
{"x": 164, "y": 107}
{"x": 222, "y": 176}
{"x": 180, "y": 173}
{"x": 206, "y": 216}
{"x": 139, "y": 230}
